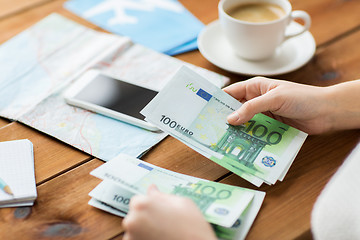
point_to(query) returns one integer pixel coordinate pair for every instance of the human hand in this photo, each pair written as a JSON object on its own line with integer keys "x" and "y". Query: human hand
{"x": 300, "y": 106}
{"x": 159, "y": 216}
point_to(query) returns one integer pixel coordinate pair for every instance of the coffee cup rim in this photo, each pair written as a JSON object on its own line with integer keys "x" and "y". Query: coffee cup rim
{"x": 288, "y": 11}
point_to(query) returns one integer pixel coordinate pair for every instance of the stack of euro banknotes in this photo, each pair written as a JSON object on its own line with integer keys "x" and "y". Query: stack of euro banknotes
{"x": 231, "y": 210}
{"x": 194, "y": 111}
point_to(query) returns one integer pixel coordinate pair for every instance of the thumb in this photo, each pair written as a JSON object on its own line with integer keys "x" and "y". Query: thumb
{"x": 256, "y": 105}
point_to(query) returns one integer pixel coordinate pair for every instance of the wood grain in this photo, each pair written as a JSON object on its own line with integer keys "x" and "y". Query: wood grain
{"x": 176, "y": 156}
{"x": 330, "y": 19}
{"x": 334, "y": 63}
{"x": 15, "y": 6}
{"x": 61, "y": 211}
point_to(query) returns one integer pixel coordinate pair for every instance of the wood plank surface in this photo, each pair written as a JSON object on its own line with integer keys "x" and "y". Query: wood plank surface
{"x": 62, "y": 172}
{"x": 330, "y": 18}
{"x": 333, "y": 63}
{"x": 3, "y": 122}
{"x": 176, "y": 156}
{"x": 15, "y": 6}
{"x": 61, "y": 211}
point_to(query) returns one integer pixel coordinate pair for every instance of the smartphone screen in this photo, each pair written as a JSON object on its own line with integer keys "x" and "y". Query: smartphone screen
{"x": 116, "y": 95}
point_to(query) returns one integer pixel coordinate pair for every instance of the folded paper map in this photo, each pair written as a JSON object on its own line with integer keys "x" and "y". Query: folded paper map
{"x": 194, "y": 111}
{"x": 40, "y": 63}
{"x": 165, "y": 26}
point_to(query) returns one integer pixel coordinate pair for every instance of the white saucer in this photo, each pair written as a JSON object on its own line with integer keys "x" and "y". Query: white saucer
{"x": 291, "y": 55}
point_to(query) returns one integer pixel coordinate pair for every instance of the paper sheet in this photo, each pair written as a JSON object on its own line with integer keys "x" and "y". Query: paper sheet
{"x": 17, "y": 171}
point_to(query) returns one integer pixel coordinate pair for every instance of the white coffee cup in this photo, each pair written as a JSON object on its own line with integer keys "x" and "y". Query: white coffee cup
{"x": 259, "y": 40}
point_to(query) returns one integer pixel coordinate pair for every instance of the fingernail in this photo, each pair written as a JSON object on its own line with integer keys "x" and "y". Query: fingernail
{"x": 152, "y": 189}
{"x": 234, "y": 117}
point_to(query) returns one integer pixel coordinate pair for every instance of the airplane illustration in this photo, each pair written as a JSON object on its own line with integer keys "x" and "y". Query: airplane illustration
{"x": 119, "y": 7}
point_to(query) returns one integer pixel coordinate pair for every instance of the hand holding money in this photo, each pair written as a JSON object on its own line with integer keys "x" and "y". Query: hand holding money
{"x": 194, "y": 111}
{"x": 301, "y": 106}
{"x": 231, "y": 210}
{"x": 158, "y": 216}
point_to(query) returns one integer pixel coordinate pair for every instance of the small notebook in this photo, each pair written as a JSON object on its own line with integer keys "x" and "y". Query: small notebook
{"x": 17, "y": 174}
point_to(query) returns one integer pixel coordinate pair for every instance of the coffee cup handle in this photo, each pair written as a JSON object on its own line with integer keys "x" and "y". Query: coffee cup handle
{"x": 298, "y": 14}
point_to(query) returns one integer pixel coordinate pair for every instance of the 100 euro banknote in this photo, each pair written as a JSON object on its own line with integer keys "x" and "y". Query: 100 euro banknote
{"x": 126, "y": 176}
{"x": 193, "y": 110}
{"x": 110, "y": 197}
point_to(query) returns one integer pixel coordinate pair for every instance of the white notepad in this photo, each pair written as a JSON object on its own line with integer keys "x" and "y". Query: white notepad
{"x": 17, "y": 171}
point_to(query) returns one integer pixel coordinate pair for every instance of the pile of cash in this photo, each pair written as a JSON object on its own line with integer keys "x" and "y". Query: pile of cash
{"x": 194, "y": 111}
{"x": 231, "y": 210}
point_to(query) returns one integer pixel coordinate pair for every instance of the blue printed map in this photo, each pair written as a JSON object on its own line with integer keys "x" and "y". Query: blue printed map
{"x": 162, "y": 25}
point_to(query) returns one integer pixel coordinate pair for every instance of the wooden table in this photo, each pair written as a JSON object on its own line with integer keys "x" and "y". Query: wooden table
{"x": 62, "y": 172}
